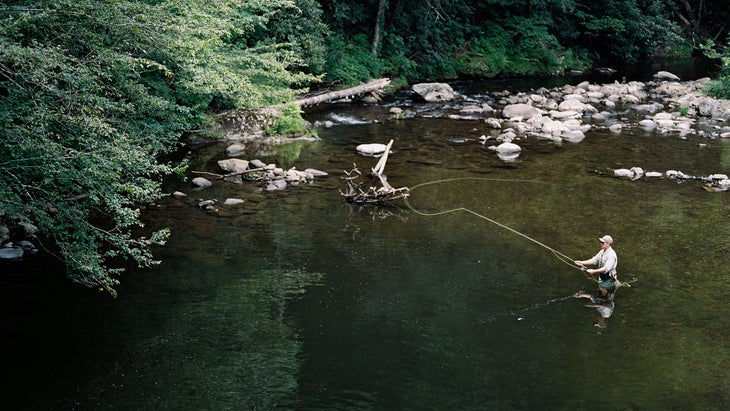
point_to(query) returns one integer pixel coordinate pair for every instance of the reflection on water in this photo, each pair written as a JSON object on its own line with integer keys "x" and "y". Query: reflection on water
{"x": 297, "y": 300}
{"x": 604, "y": 304}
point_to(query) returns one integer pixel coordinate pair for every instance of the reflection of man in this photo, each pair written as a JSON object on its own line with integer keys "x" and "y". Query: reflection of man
{"x": 603, "y": 304}
{"x": 606, "y": 260}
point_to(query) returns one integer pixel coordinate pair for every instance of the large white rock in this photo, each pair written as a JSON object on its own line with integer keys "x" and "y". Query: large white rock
{"x": 233, "y": 165}
{"x": 233, "y": 201}
{"x": 202, "y": 182}
{"x": 371, "y": 149}
{"x": 573, "y": 136}
{"x": 564, "y": 114}
{"x": 315, "y": 173}
{"x": 615, "y": 128}
{"x": 623, "y": 172}
{"x": 508, "y": 148}
{"x": 666, "y": 76}
{"x": 572, "y": 104}
{"x": 638, "y": 171}
{"x": 647, "y": 124}
{"x": 665, "y": 123}
{"x": 521, "y": 110}
{"x": 662, "y": 116}
{"x": 493, "y": 123}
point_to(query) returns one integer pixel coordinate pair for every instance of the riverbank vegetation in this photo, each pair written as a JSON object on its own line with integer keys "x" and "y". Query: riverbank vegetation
{"x": 94, "y": 93}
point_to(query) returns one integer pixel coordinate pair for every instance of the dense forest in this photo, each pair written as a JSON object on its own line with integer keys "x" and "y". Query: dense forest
{"x": 94, "y": 93}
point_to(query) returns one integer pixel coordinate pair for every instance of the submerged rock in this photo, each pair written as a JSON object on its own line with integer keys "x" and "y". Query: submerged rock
{"x": 233, "y": 201}
{"x": 202, "y": 182}
{"x": 235, "y": 149}
{"x": 316, "y": 173}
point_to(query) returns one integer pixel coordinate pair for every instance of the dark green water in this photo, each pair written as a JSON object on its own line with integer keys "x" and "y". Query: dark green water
{"x": 297, "y": 300}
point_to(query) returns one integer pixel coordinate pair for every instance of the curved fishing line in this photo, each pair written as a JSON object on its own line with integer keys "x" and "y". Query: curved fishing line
{"x": 562, "y": 257}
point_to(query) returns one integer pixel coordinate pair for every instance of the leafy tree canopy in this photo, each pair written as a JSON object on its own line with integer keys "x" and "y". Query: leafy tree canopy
{"x": 92, "y": 93}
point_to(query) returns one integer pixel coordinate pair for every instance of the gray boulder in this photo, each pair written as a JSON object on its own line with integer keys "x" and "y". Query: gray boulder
{"x": 276, "y": 185}
{"x": 435, "y": 92}
{"x": 521, "y": 110}
{"x": 202, "y": 182}
{"x": 666, "y": 76}
{"x": 11, "y": 253}
{"x": 708, "y": 106}
{"x": 233, "y": 165}
{"x": 256, "y": 163}
{"x": 233, "y": 201}
{"x": 316, "y": 173}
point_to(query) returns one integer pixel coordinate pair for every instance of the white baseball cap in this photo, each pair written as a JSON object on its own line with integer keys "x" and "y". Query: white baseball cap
{"x": 606, "y": 239}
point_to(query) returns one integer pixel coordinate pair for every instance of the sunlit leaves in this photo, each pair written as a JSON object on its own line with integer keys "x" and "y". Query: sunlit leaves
{"x": 93, "y": 92}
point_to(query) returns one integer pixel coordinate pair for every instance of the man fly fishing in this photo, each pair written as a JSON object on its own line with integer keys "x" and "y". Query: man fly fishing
{"x": 606, "y": 260}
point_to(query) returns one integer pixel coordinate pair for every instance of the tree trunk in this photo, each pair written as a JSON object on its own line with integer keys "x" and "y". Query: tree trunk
{"x": 348, "y": 92}
{"x": 376, "y": 31}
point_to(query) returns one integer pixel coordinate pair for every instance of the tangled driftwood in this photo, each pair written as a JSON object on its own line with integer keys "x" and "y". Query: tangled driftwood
{"x": 386, "y": 193}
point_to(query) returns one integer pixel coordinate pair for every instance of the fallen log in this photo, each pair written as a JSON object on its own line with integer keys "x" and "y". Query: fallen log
{"x": 368, "y": 87}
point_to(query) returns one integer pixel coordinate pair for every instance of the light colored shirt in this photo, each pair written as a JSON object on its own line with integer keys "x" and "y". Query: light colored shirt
{"x": 607, "y": 258}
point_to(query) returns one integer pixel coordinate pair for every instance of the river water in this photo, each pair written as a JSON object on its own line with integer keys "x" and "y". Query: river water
{"x": 297, "y": 300}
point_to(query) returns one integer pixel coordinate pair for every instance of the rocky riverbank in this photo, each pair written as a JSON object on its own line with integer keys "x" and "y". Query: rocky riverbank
{"x": 665, "y": 105}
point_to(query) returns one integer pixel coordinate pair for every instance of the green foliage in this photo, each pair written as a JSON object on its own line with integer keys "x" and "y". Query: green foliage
{"x": 628, "y": 29}
{"x": 93, "y": 93}
{"x": 442, "y": 39}
{"x": 302, "y": 29}
{"x": 350, "y": 61}
{"x": 526, "y": 49}
{"x": 719, "y": 87}
{"x": 288, "y": 122}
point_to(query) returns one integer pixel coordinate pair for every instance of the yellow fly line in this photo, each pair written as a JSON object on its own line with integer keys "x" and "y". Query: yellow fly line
{"x": 562, "y": 257}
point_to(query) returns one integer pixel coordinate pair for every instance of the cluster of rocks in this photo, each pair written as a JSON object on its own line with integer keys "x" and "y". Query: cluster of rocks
{"x": 16, "y": 249}
{"x": 713, "y": 182}
{"x": 667, "y": 104}
{"x": 567, "y": 113}
{"x": 269, "y": 176}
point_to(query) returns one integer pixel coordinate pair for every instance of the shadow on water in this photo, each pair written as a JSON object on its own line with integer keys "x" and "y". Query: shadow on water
{"x": 297, "y": 300}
